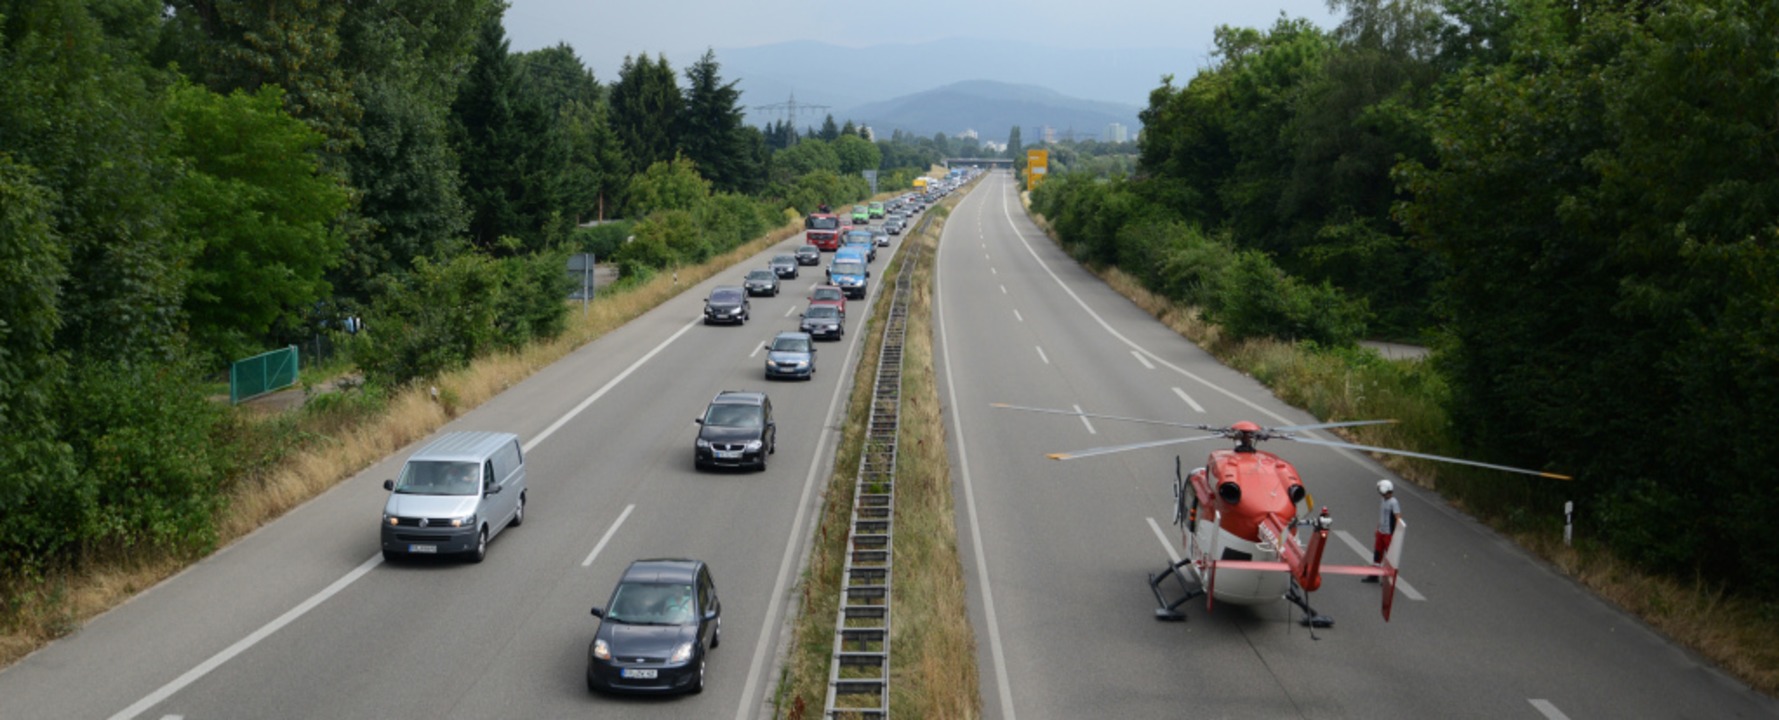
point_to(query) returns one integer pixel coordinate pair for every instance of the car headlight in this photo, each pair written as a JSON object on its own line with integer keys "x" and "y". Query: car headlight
{"x": 681, "y": 653}
{"x": 465, "y": 521}
{"x": 601, "y": 650}
{"x": 391, "y": 519}
{"x": 703, "y": 444}
{"x": 753, "y": 445}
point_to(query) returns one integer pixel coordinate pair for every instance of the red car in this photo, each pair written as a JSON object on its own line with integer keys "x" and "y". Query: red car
{"x": 823, "y": 231}
{"x": 828, "y": 295}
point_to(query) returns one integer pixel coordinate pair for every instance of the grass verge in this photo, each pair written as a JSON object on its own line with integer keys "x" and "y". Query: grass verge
{"x": 296, "y": 456}
{"x": 932, "y": 659}
{"x": 1738, "y": 634}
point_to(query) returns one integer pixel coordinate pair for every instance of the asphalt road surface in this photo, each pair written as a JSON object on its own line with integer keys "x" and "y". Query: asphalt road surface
{"x": 303, "y": 619}
{"x": 1057, "y": 553}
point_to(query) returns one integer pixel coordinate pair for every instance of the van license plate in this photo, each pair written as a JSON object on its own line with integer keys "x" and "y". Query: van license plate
{"x": 423, "y": 549}
{"x": 639, "y": 673}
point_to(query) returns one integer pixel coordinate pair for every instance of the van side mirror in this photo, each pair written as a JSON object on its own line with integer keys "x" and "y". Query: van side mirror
{"x": 493, "y": 489}
{"x": 598, "y": 612}
{"x": 389, "y": 485}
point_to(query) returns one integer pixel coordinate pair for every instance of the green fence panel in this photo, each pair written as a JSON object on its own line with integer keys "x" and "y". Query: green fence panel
{"x": 262, "y": 373}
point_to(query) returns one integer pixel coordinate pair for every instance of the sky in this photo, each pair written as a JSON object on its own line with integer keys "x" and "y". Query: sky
{"x": 603, "y": 33}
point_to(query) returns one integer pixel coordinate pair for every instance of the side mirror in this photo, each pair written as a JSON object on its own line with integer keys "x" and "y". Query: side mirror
{"x": 389, "y": 485}
{"x": 493, "y": 490}
{"x": 598, "y": 612}
{"x": 801, "y": 316}
{"x": 698, "y": 420}
{"x": 710, "y": 616}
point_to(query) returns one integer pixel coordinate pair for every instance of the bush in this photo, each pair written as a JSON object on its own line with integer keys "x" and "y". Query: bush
{"x": 602, "y": 240}
{"x": 1257, "y": 299}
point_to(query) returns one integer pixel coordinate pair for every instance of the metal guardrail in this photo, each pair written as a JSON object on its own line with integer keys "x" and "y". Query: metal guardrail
{"x": 859, "y": 669}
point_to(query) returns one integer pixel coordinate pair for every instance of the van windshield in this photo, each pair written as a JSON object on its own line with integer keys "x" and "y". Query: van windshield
{"x": 848, "y": 268}
{"x": 438, "y": 477}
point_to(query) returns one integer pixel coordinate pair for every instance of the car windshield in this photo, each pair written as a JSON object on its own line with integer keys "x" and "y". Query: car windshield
{"x": 808, "y": 250}
{"x": 438, "y": 477}
{"x": 783, "y": 260}
{"x": 826, "y": 312}
{"x": 725, "y": 296}
{"x": 652, "y": 604}
{"x": 827, "y": 294}
{"x": 790, "y": 344}
{"x": 760, "y": 275}
{"x": 823, "y": 223}
{"x": 848, "y": 268}
{"x": 730, "y": 415}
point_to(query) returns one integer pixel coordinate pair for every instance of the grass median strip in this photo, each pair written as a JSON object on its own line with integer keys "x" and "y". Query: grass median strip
{"x": 933, "y": 661}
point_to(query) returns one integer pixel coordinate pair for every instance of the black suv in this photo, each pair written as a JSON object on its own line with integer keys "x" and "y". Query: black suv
{"x": 726, "y": 304}
{"x": 654, "y": 633}
{"x": 736, "y": 431}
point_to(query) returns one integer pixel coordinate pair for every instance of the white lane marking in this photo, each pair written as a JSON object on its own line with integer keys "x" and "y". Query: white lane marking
{"x": 1084, "y": 421}
{"x": 792, "y": 310}
{"x": 1159, "y": 535}
{"x": 243, "y": 644}
{"x": 1549, "y": 710}
{"x": 1003, "y": 289}
{"x": 613, "y": 530}
{"x": 998, "y": 656}
{"x": 1189, "y": 400}
{"x": 830, "y": 436}
{"x": 1018, "y": 316}
{"x": 1143, "y": 360}
{"x": 985, "y": 255}
{"x": 1041, "y": 355}
{"x": 993, "y": 271}
{"x": 172, "y": 717}
{"x": 1365, "y": 553}
{"x": 551, "y": 430}
{"x": 757, "y": 349}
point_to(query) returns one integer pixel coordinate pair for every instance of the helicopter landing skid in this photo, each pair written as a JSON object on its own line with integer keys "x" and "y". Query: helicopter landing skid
{"x": 1170, "y": 611}
{"x": 1311, "y": 618}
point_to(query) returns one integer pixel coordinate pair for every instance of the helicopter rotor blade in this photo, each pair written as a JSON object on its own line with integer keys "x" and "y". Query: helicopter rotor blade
{"x": 1096, "y": 416}
{"x": 1425, "y": 456}
{"x": 1321, "y": 426}
{"x": 1108, "y": 450}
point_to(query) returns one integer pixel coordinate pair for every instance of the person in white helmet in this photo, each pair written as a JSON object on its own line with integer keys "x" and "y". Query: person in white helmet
{"x": 1387, "y": 511}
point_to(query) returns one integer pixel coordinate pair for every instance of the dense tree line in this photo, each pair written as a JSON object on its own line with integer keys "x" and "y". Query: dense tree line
{"x": 186, "y": 182}
{"x": 1576, "y": 202}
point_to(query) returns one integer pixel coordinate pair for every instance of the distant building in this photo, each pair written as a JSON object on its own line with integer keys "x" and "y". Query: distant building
{"x": 968, "y": 135}
{"x": 993, "y": 146}
{"x": 1049, "y": 134}
{"x": 1117, "y": 133}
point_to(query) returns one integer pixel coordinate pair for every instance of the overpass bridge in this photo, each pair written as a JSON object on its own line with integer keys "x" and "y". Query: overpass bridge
{"x": 990, "y": 162}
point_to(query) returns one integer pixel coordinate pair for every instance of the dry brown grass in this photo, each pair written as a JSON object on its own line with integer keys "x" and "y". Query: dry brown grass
{"x": 1739, "y": 635}
{"x": 64, "y": 602}
{"x": 933, "y": 661}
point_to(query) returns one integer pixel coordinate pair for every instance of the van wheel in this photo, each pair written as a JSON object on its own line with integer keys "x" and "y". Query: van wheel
{"x": 519, "y": 512}
{"x": 481, "y": 552}
{"x": 390, "y": 556}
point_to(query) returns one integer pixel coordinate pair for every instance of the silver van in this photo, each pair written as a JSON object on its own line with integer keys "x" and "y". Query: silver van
{"x": 455, "y": 495}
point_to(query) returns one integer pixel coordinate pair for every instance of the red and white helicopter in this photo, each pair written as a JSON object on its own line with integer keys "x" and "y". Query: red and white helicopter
{"x": 1263, "y": 541}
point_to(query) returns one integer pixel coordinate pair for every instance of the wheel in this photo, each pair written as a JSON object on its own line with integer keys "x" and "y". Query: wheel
{"x": 519, "y": 512}
{"x": 716, "y": 638}
{"x": 390, "y": 556}
{"x": 773, "y": 448}
{"x": 481, "y": 552}
{"x": 698, "y": 685}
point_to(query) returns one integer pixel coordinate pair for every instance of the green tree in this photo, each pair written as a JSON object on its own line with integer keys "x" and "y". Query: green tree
{"x": 830, "y": 131}
{"x": 514, "y": 152}
{"x": 645, "y": 106}
{"x": 711, "y": 131}
{"x": 254, "y": 204}
{"x": 668, "y": 186}
{"x": 857, "y": 154}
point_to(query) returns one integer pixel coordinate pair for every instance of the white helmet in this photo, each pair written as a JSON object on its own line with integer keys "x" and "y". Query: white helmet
{"x": 1384, "y": 487}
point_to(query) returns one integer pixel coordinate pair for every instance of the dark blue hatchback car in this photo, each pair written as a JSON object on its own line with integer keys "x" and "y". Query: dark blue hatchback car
{"x": 662, "y": 620}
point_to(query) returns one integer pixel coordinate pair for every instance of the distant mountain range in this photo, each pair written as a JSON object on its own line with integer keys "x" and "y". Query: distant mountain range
{"x": 848, "y": 82}
{"x": 992, "y": 109}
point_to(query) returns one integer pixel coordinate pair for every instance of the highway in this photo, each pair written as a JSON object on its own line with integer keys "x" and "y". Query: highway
{"x": 303, "y": 618}
{"x": 1057, "y": 553}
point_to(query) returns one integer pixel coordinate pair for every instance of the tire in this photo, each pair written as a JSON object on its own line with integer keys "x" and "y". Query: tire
{"x": 391, "y": 556}
{"x": 716, "y": 638}
{"x": 481, "y": 552}
{"x": 518, "y": 513}
{"x": 698, "y": 685}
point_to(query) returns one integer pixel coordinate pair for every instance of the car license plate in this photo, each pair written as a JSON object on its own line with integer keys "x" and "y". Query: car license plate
{"x": 423, "y": 548}
{"x": 728, "y": 454}
{"x": 639, "y": 673}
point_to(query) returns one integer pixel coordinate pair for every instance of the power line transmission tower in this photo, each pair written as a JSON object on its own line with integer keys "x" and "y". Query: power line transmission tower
{"x": 790, "y": 108}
